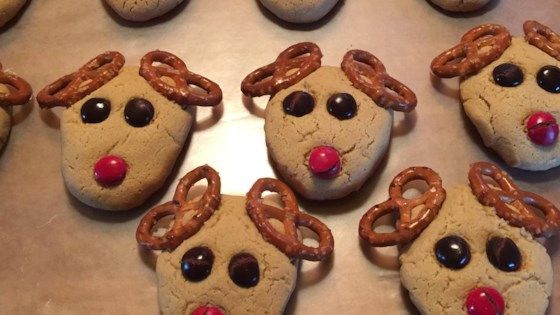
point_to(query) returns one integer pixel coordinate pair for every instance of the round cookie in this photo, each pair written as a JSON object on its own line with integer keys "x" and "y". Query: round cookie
{"x": 5, "y": 125}
{"x": 299, "y": 11}
{"x": 13, "y": 91}
{"x": 9, "y": 9}
{"x": 140, "y": 11}
{"x": 218, "y": 260}
{"x": 460, "y": 5}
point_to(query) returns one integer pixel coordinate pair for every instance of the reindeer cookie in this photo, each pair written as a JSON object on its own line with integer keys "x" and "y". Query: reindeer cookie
{"x": 140, "y": 11}
{"x": 478, "y": 255}
{"x": 124, "y": 128}
{"x": 224, "y": 254}
{"x": 13, "y": 91}
{"x": 299, "y": 11}
{"x": 510, "y": 90}
{"x": 326, "y": 127}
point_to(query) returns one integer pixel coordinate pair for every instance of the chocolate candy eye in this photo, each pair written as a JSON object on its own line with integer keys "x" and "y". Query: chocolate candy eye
{"x": 453, "y": 252}
{"x": 298, "y": 104}
{"x": 138, "y": 112}
{"x": 95, "y": 110}
{"x": 196, "y": 264}
{"x": 342, "y": 106}
{"x": 508, "y": 75}
{"x": 244, "y": 270}
{"x": 503, "y": 254}
{"x": 548, "y": 78}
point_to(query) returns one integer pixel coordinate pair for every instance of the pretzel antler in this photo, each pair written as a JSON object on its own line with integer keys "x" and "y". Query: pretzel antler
{"x": 407, "y": 227}
{"x": 179, "y": 207}
{"x": 270, "y": 79}
{"x": 468, "y": 57}
{"x": 382, "y": 88}
{"x": 288, "y": 242}
{"x": 182, "y": 91}
{"x": 73, "y": 87}
{"x": 19, "y": 91}
{"x": 512, "y": 204}
{"x": 542, "y": 37}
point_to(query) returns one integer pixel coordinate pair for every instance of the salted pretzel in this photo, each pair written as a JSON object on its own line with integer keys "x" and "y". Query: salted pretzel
{"x": 73, "y": 87}
{"x": 180, "y": 209}
{"x": 268, "y": 80}
{"x": 468, "y": 57}
{"x": 385, "y": 91}
{"x": 407, "y": 227}
{"x": 291, "y": 217}
{"x": 542, "y": 37}
{"x": 512, "y": 204}
{"x": 182, "y": 91}
{"x": 19, "y": 91}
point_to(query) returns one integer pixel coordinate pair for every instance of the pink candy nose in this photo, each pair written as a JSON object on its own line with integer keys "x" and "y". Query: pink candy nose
{"x": 485, "y": 301}
{"x": 110, "y": 170}
{"x": 324, "y": 162}
{"x": 207, "y": 310}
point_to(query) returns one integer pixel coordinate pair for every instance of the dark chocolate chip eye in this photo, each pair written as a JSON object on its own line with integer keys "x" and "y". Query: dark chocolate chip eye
{"x": 342, "y": 106}
{"x": 503, "y": 254}
{"x": 138, "y": 112}
{"x": 244, "y": 270}
{"x": 95, "y": 110}
{"x": 508, "y": 75}
{"x": 196, "y": 264}
{"x": 298, "y": 104}
{"x": 453, "y": 252}
{"x": 548, "y": 78}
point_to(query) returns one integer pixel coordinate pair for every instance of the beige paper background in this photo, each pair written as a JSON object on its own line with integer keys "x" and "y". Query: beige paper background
{"x": 62, "y": 257}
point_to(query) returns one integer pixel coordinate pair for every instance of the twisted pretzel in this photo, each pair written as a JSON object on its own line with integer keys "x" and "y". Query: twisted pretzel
{"x": 19, "y": 91}
{"x": 272, "y": 78}
{"x": 467, "y": 57}
{"x": 181, "y": 92}
{"x": 179, "y": 207}
{"x": 542, "y": 37}
{"x": 512, "y": 204}
{"x": 288, "y": 242}
{"x": 382, "y": 88}
{"x": 73, "y": 87}
{"x": 407, "y": 227}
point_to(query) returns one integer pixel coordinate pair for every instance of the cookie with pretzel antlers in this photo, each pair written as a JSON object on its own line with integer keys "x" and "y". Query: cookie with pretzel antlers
{"x": 470, "y": 250}
{"x": 327, "y": 127}
{"x": 124, "y": 127}
{"x": 13, "y": 91}
{"x": 510, "y": 89}
{"x": 229, "y": 254}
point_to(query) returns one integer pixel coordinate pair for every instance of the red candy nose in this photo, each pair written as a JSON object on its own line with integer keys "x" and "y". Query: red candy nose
{"x": 207, "y": 310}
{"x": 324, "y": 162}
{"x": 110, "y": 170}
{"x": 485, "y": 301}
{"x": 542, "y": 128}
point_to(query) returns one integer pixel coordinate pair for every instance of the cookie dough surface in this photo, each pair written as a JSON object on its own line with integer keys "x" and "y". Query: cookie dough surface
{"x": 499, "y": 113}
{"x": 228, "y": 232}
{"x": 435, "y": 289}
{"x": 460, "y": 5}
{"x": 361, "y": 141}
{"x": 9, "y": 9}
{"x": 299, "y": 11}
{"x": 142, "y": 10}
{"x": 150, "y": 151}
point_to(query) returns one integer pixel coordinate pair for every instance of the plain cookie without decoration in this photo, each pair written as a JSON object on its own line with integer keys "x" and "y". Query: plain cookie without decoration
{"x": 460, "y": 5}
{"x": 142, "y": 10}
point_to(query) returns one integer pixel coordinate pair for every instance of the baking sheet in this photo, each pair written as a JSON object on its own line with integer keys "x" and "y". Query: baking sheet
{"x": 62, "y": 257}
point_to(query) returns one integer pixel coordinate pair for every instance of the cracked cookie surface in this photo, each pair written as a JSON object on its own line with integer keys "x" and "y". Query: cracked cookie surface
{"x": 499, "y": 113}
{"x": 460, "y": 5}
{"x": 142, "y": 10}
{"x": 228, "y": 232}
{"x": 299, "y": 11}
{"x": 435, "y": 289}
{"x": 361, "y": 141}
{"x": 150, "y": 151}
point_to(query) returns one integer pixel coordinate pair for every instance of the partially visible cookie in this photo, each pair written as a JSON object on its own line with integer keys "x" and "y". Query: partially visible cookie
{"x": 5, "y": 125}
{"x": 299, "y": 11}
{"x": 9, "y": 9}
{"x": 142, "y": 10}
{"x": 13, "y": 91}
{"x": 460, "y": 5}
